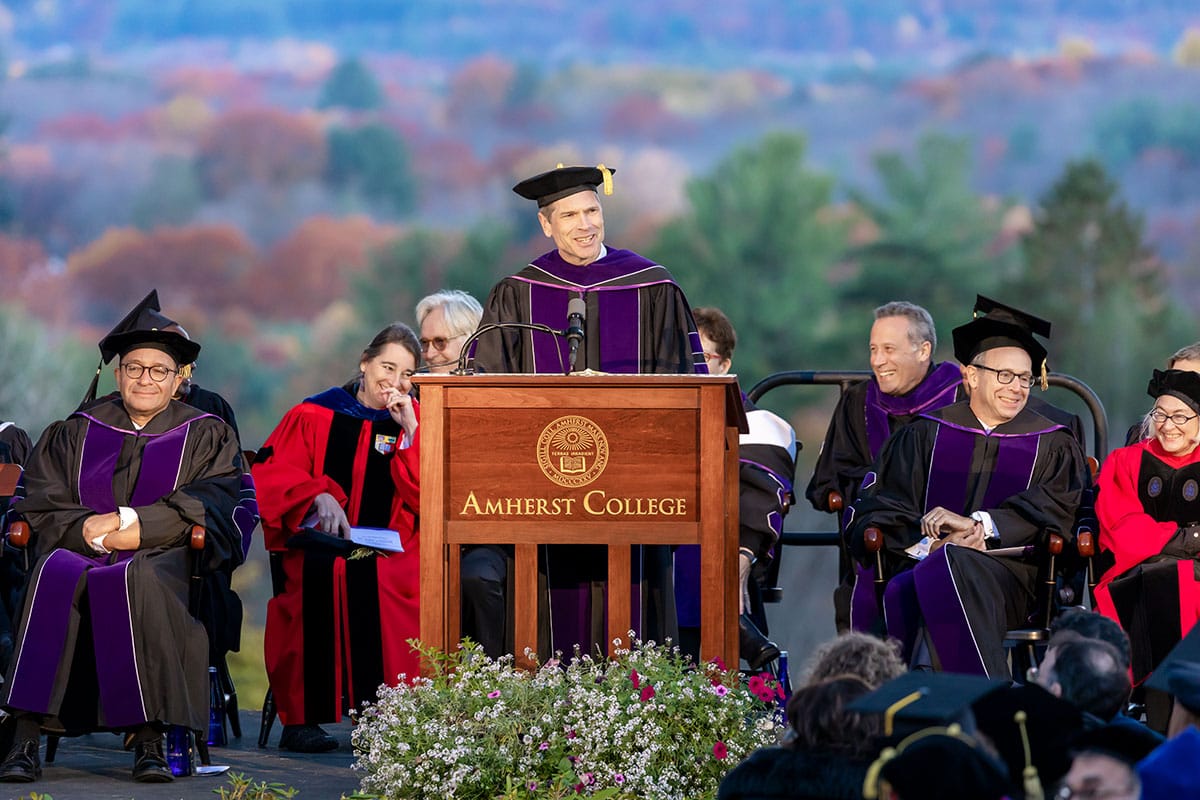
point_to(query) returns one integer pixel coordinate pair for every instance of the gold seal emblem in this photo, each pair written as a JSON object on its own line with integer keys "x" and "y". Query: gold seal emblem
{"x": 572, "y": 451}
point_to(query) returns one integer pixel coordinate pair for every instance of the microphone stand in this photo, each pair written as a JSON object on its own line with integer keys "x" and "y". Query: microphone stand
{"x": 461, "y": 369}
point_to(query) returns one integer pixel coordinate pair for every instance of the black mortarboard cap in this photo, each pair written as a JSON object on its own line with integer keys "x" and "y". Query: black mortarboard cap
{"x": 1127, "y": 740}
{"x": 143, "y": 326}
{"x": 564, "y": 181}
{"x": 998, "y": 325}
{"x": 946, "y": 767}
{"x": 1179, "y": 673}
{"x": 917, "y": 700}
{"x": 1180, "y": 383}
{"x": 1046, "y": 725}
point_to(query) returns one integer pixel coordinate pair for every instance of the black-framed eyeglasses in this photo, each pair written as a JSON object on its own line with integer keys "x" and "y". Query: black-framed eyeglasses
{"x": 439, "y": 342}
{"x": 1159, "y": 416}
{"x": 158, "y": 373}
{"x": 1006, "y": 376}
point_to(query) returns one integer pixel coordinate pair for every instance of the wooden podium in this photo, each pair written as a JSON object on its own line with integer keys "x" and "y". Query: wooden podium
{"x": 614, "y": 460}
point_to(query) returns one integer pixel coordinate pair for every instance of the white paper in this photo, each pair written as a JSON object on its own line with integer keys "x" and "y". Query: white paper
{"x": 378, "y": 538}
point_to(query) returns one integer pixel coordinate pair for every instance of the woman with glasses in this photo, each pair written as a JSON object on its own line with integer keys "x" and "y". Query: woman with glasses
{"x": 342, "y": 614}
{"x": 1149, "y": 511}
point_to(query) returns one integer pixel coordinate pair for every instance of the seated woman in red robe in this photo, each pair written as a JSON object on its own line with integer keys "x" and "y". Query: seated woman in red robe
{"x": 1149, "y": 511}
{"x": 346, "y": 458}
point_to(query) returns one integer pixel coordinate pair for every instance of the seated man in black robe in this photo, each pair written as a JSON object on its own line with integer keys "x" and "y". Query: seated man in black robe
{"x": 106, "y": 640}
{"x": 956, "y": 491}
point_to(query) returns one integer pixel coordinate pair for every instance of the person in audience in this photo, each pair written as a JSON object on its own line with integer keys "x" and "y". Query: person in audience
{"x": 636, "y": 320}
{"x": 112, "y": 493}
{"x": 905, "y": 382}
{"x": 1088, "y": 673}
{"x": 953, "y": 491}
{"x": 342, "y": 459}
{"x": 445, "y": 320}
{"x": 1091, "y": 625}
{"x": 1148, "y": 507}
{"x": 767, "y": 467}
{"x": 874, "y": 660}
{"x": 1173, "y": 769}
{"x": 826, "y": 752}
{"x": 1185, "y": 358}
{"x": 1104, "y": 762}
{"x": 15, "y": 444}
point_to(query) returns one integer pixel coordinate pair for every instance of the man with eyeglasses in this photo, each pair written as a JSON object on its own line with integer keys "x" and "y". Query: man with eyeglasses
{"x": 958, "y": 495}
{"x": 106, "y": 639}
{"x": 904, "y": 383}
{"x": 446, "y": 319}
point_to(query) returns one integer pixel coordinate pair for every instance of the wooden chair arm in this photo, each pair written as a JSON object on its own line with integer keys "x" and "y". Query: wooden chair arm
{"x": 1093, "y": 467}
{"x": 834, "y": 502}
{"x": 873, "y": 539}
{"x": 1085, "y": 541}
{"x": 1055, "y": 545}
{"x": 18, "y": 533}
{"x": 197, "y": 540}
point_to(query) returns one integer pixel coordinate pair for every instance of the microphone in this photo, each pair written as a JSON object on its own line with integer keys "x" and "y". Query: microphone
{"x": 464, "y": 356}
{"x": 576, "y": 314}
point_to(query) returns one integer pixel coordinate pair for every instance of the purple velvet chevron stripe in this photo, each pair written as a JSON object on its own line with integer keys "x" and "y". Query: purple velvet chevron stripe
{"x": 46, "y": 630}
{"x": 620, "y": 340}
{"x": 698, "y": 362}
{"x": 949, "y": 469}
{"x": 548, "y": 306}
{"x": 945, "y": 618}
{"x": 101, "y": 446}
{"x": 615, "y": 264}
{"x": 938, "y": 389}
{"x": 864, "y": 606}
{"x": 116, "y": 661}
{"x": 1013, "y": 469}
{"x": 246, "y": 514}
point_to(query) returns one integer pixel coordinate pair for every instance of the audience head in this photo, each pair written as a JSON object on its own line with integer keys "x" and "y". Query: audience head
{"x": 717, "y": 337}
{"x": 943, "y": 765}
{"x": 902, "y": 343}
{"x": 1187, "y": 358}
{"x": 1092, "y": 625}
{"x": 1104, "y": 759}
{"x": 569, "y": 209}
{"x": 1090, "y": 674}
{"x": 1174, "y": 420}
{"x": 874, "y": 660}
{"x": 818, "y": 719}
{"x": 1000, "y": 354}
{"x": 446, "y": 319}
{"x": 389, "y": 361}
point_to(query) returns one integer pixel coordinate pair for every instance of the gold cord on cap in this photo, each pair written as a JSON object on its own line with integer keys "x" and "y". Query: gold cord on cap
{"x": 608, "y": 186}
{"x": 890, "y": 715}
{"x": 1029, "y": 775}
{"x": 1045, "y": 377}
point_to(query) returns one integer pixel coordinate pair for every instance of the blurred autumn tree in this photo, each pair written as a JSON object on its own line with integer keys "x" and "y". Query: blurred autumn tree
{"x": 759, "y": 241}
{"x": 266, "y": 146}
{"x": 171, "y": 196}
{"x": 934, "y": 241}
{"x": 372, "y": 160}
{"x": 1089, "y": 270}
{"x": 197, "y": 267}
{"x": 351, "y": 85}
{"x": 310, "y": 269}
{"x": 44, "y": 371}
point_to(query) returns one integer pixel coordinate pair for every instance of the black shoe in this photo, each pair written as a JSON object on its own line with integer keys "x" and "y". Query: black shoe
{"x": 754, "y": 648}
{"x": 149, "y": 765}
{"x": 22, "y": 764}
{"x": 306, "y": 739}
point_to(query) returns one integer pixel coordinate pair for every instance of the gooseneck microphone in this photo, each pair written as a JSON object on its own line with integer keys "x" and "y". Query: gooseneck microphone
{"x": 463, "y": 357}
{"x": 576, "y": 315}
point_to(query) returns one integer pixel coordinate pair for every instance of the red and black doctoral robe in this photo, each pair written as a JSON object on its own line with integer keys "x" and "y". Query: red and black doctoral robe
{"x": 338, "y": 628}
{"x": 1152, "y": 588}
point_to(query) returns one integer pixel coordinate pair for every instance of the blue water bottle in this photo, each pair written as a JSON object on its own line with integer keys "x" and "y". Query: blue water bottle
{"x": 216, "y": 710}
{"x": 784, "y": 681}
{"x": 179, "y": 750}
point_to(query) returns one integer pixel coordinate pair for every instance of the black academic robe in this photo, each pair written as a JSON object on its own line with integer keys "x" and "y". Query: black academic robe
{"x": 638, "y": 321}
{"x": 1027, "y": 474}
{"x": 15, "y": 444}
{"x": 108, "y": 640}
{"x": 782, "y": 773}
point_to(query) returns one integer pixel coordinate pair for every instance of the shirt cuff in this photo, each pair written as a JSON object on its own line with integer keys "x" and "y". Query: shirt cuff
{"x": 989, "y": 527}
{"x": 128, "y": 517}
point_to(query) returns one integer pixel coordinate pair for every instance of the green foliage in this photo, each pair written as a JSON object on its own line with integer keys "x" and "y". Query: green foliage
{"x": 374, "y": 160}
{"x": 243, "y": 788}
{"x": 172, "y": 196}
{"x": 645, "y": 724}
{"x": 759, "y": 243}
{"x": 351, "y": 85}
{"x": 934, "y": 242}
{"x": 1089, "y": 270}
{"x": 1127, "y": 130}
{"x": 43, "y": 375}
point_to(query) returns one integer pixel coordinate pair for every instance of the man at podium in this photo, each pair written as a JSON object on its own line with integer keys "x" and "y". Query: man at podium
{"x": 634, "y": 318}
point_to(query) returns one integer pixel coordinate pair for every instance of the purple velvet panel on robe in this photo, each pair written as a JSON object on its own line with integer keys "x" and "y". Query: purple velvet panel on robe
{"x": 939, "y": 388}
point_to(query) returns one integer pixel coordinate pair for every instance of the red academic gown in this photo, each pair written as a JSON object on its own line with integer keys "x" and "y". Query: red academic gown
{"x": 340, "y": 626}
{"x": 1145, "y": 496}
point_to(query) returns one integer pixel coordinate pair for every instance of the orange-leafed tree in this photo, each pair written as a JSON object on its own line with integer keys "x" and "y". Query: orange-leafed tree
{"x": 307, "y": 271}
{"x": 260, "y": 145}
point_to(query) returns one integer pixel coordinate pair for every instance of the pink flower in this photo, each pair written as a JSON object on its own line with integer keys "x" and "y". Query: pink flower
{"x": 618, "y": 779}
{"x": 756, "y": 684}
{"x": 533, "y": 786}
{"x": 718, "y": 661}
{"x": 720, "y": 751}
{"x": 779, "y": 691}
{"x": 647, "y": 692}
{"x": 721, "y": 690}
{"x": 637, "y": 681}
{"x": 572, "y": 734}
{"x": 544, "y": 746}
{"x": 493, "y": 695}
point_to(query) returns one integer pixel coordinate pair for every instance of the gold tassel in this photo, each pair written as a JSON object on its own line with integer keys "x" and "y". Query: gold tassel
{"x": 185, "y": 371}
{"x": 1045, "y": 377}
{"x": 890, "y": 715}
{"x": 870, "y": 788}
{"x": 608, "y": 186}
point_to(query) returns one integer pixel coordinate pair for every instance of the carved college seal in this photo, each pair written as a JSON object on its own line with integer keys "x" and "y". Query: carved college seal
{"x": 572, "y": 451}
